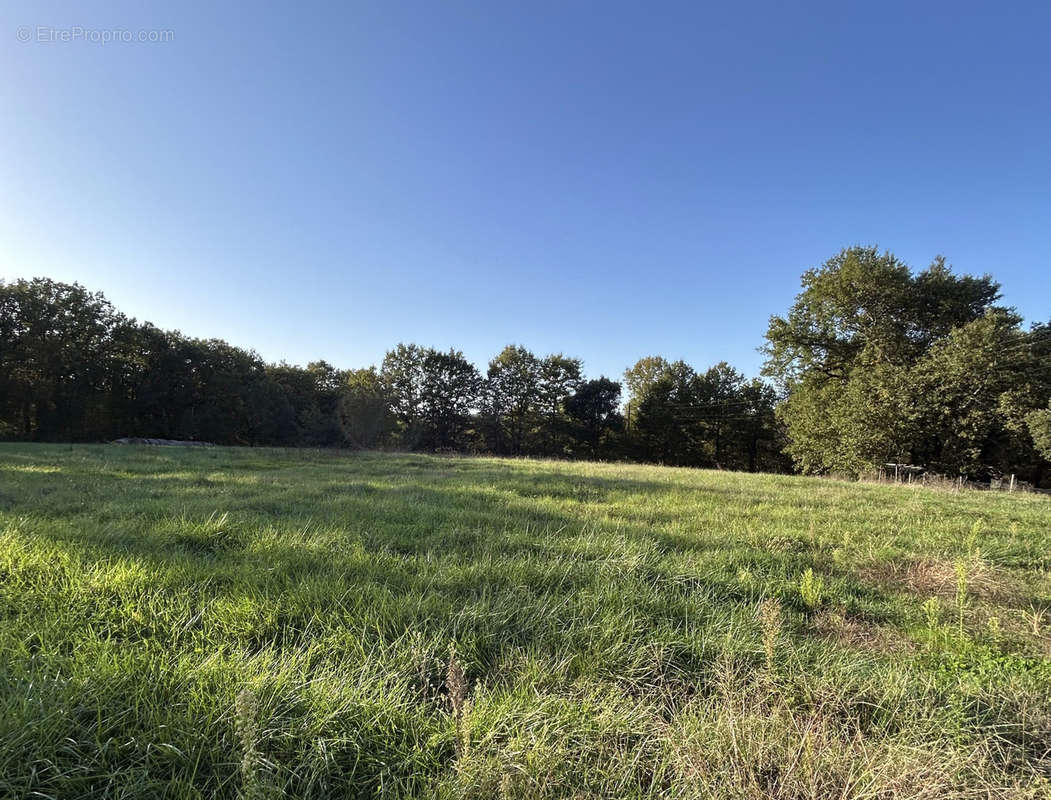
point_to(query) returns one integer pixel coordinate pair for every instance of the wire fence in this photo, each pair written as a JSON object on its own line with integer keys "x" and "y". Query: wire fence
{"x": 910, "y": 474}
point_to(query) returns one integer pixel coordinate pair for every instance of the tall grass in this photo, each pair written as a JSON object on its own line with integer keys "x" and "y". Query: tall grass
{"x": 259, "y": 623}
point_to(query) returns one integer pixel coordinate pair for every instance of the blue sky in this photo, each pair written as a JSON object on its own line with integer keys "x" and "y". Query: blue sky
{"x": 607, "y": 180}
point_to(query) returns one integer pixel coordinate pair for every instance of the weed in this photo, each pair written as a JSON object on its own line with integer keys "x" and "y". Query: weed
{"x": 246, "y": 722}
{"x": 1035, "y": 619}
{"x": 745, "y": 578}
{"x": 993, "y": 627}
{"x": 459, "y": 704}
{"x": 811, "y": 589}
{"x": 932, "y": 610}
{"x": 455, "y": 684}
{"x": 961, "y": 592}
{"x": 770, "y": 621}
{"x": 421, "y": 661}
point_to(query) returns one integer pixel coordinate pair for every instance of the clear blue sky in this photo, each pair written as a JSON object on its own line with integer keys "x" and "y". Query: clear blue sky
{"x": 609, "y": 180}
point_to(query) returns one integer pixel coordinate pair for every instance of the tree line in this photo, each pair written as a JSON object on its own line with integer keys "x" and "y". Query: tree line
{"x": 74, "y": 368}
{"x": 873, "y": 363}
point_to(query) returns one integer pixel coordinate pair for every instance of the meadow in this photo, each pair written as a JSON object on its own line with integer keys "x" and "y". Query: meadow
{"x": 259, "y": 623}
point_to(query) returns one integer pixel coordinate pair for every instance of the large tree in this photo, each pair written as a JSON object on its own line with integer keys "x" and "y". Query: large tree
{"x": 560, "y": 376}
{"x": 663, "y": 412}
{"x": 757, "y": 436}
{"x": 512, "y": 397}
{"x": 863, "y": 307}
{"x": 594, "y": 412}
{"x": 718, "y": 407}
{"x": 364, "y": 409}
{"x": 640, "y": 377}
{"x": 448, "y": 395}
{"x": 880, "y": 364}
{"x": 59, "y": 359}
{"x": 402, "y": 375}
{"x": 713, "y": 418}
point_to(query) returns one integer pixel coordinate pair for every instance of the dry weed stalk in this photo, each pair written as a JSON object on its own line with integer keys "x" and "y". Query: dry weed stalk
{"x": 456, "y": 685}
{"x": 770, "y": 620}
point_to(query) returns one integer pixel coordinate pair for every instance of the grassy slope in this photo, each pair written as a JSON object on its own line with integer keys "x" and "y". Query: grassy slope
{"x": 605, "y": 618}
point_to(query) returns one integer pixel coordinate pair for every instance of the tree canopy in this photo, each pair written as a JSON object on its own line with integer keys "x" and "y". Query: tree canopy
{"x": 881, "y": 365}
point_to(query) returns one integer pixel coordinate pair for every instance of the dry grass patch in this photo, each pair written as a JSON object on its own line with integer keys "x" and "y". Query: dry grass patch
{"x": 1028, "y": 629}
{"x": 939, "y": 578}
{"x": 861, "y": 634}
{"x": 747, "y": 742}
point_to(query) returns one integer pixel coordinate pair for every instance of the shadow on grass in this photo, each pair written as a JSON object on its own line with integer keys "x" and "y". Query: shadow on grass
{"x": 421, "y": 539}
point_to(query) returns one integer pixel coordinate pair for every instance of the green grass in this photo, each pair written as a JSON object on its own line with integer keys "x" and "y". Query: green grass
{"x": 260, "y": 623}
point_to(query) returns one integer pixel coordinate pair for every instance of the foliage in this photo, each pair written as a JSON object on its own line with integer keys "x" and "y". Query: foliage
{"x": 881, "y": 365}
{"x": 448, "y": 395}
{"x": 402, "y": 374}
{"x": 961, "y": 385}
{"x": 72, "y": 368}
{"x": 364, "y": 409}
{"x": 715, "y": 418}
{"x": 512, "y": 397}
{"x": 60, "y": 359}
{"x": 593, "y": 411}
{"x": 1039, "y": 423}
{"x": 811, "y": 589}
{"x": 525, "y": 397}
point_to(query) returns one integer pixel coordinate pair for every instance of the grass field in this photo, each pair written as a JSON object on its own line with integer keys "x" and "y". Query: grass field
{"x": 259, "y": 623}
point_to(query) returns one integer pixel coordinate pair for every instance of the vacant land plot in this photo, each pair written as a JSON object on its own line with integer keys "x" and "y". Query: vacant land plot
{"x": 222, "y": 623}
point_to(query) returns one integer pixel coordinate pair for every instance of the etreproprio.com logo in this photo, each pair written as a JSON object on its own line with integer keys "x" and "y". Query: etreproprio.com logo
{"x": 48, "y": 34}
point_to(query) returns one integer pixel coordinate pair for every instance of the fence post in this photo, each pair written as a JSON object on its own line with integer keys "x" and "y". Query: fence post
{"x": 1012, "y": 483}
